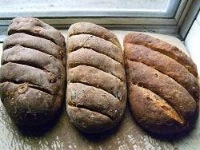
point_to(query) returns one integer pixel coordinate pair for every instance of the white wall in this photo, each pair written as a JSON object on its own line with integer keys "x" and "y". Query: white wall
{"x": 192, "y": 41}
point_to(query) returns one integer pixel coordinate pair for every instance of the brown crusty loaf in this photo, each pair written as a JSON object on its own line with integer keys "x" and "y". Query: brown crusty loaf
{"x": 96, "y": 90}
{"x": 32, "y": 76}
{"x": 162, "y": 84}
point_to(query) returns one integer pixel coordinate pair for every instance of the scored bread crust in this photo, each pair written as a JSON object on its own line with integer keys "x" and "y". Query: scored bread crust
{"x": 94, "y": 99}
{"x": 20, "y": 54}
{"x": 162, "y": 47}
{"x": 163, "y": 91}
{"x": 95, "y": 43}
{"x": 164, "y": 86}
{"x": 38, "y": 43}
{"x": 92, "y": 76}
{"x": 32, "y": 77}
{"x": 34, "y": 26}
{"x": 165, "y": 65}
{"x": 89, "y": 57}
{"x": 93, "y": 29}
{"x": 160, "y": 113}
{"x": 96, "y": 90}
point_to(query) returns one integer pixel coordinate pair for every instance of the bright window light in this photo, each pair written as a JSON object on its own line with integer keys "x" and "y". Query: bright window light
{"x": 82, "y": 8}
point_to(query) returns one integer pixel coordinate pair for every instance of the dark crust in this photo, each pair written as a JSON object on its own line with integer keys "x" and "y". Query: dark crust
{"x": 34, "y": 42}
{"x": 96, "y": 91}
{"x": 90, "y": 122}
{"x": 32, "y": 77}
{"x": 24, "y": 73}
{"x": 97, "y": 44}
{"x": 89, "y": 57}
{"x": 94, "y": 99}
{"x": 153, "y": 113}
{"x": 162, "y": 47}
{"x": 36, "y": 27}
{"x": 29, "y": 107}
{"x": 94, "y": 77}
{"x": 167, "y": 89}
{"x": 93, "y": 29}
{"x": 162, "y": 84}
{"x": 164, "y": 64}
{"x": 37, "y": 59}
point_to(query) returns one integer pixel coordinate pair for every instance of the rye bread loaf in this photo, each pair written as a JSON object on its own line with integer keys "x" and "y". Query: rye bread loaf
{"x": 96, "y": 90}
{"x": 162, "y": 84}
{"x": 32, "y": 76}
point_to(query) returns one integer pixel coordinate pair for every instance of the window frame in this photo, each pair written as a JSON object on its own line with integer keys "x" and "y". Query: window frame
{"x": 190, "y": 17}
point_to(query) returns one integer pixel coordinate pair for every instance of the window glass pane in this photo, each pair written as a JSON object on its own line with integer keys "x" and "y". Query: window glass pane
{"x": 82, "y": 8}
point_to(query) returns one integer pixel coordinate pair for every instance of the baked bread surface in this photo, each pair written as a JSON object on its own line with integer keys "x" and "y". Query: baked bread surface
{"x": 32, "y": 76}
{"x": 96, "y": 89}
{"x": 163, "y": 89}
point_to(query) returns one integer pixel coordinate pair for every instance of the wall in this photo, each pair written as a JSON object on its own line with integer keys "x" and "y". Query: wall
{"x": 192, "y": 41}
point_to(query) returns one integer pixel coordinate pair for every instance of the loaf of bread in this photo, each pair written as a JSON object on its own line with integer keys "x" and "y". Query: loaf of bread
{"x": 32, "y": 76}
{"x": 96, "y": 89}
{"x": 162, "y": 84}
